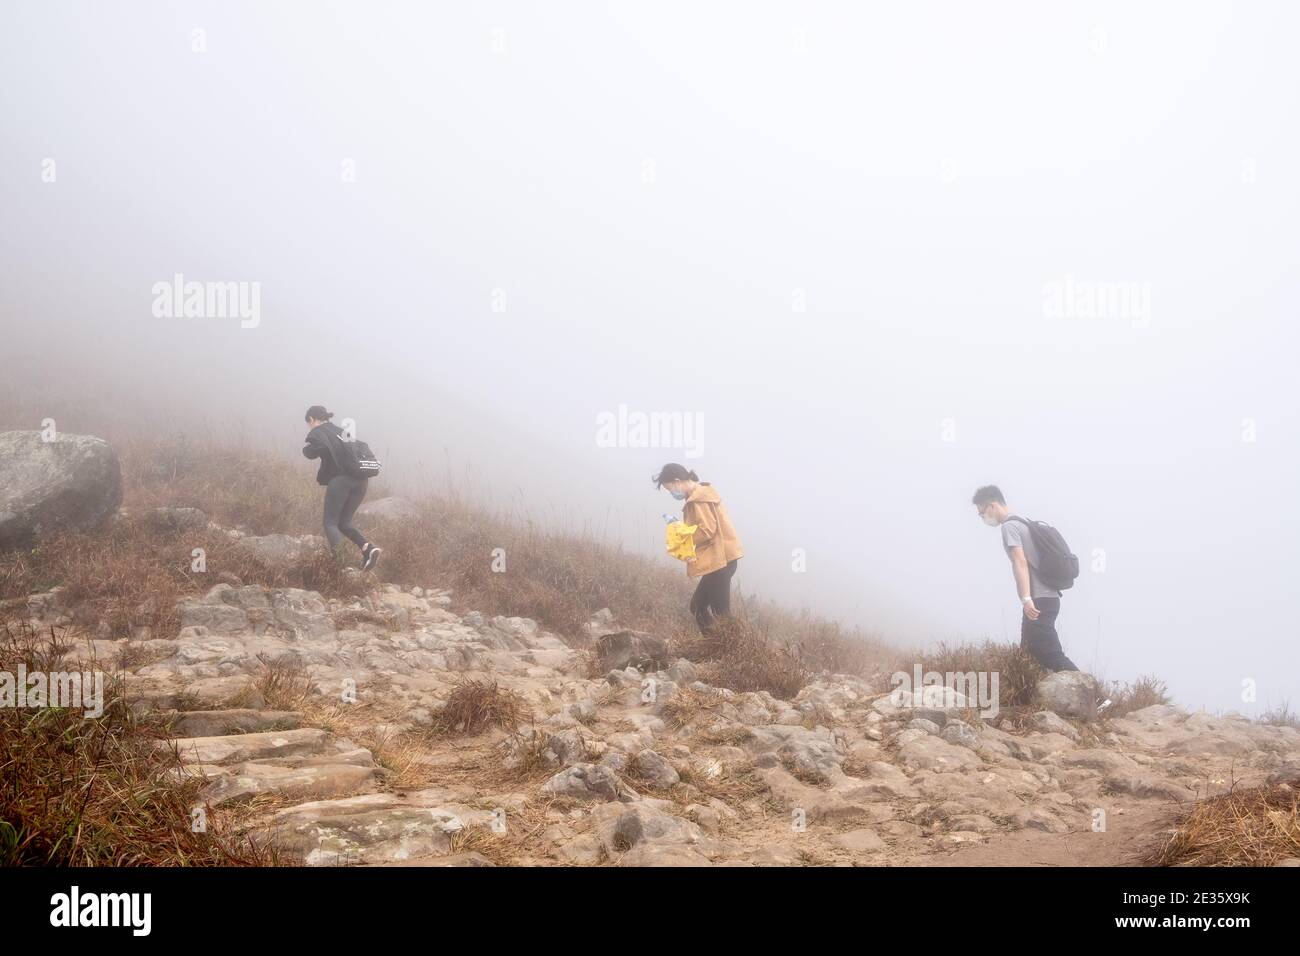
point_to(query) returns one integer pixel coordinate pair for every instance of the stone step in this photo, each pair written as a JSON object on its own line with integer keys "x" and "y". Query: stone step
{"x": 220, "y": 723}
{"x": 305, "y": 782}
{"x": 239, "y": 748}
{"x": 381, "y": 828}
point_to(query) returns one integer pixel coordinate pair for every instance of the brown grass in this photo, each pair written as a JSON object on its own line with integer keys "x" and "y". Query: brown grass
{"x": 474, "y": 706}
{"x": 283, "y": 681}
{"x": 1126, "y": 698}
{"x": 1254, "y": 827}
{"x": 76, "y": 791}
{"x": 738, "y": 654}
{"x": 1018, "y": 672}
{"x": 128, "y": 576}
{"x": 523, "y": 841}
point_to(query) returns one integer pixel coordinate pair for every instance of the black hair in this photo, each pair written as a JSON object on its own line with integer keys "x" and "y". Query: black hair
{"x": 674, "y": 472}
{"x": 318, "y": 413}
{"x": 986, "y": 494}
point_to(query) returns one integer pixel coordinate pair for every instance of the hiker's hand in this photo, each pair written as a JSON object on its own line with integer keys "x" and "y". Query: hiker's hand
{"x": 1031, "y": 612}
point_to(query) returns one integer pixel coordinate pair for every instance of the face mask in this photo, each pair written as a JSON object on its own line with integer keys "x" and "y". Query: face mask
{"x": 991, "y": 520}
{"x": 679, "y": 495}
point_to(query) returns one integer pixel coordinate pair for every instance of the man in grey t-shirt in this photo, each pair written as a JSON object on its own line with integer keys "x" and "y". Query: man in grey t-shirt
{"x": 1040, "y": 603}
{"x": 1015, "y": 534}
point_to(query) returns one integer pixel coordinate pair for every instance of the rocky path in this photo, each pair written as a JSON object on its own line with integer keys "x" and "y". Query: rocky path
{"x": 311, "y": 721}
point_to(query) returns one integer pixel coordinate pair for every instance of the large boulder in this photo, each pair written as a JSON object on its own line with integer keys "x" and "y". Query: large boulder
{"x": 72, "y": 482}
{"x": 1069, "y": 694}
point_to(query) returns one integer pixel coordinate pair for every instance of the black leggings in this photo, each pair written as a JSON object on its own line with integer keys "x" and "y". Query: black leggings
{"x": 1040, "y": 639}
{"x": 712, "y": 598}
{"x": 343, "y": 495}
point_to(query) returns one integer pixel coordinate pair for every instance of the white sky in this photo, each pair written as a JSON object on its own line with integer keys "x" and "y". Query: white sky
{"x": 652, "y": 187}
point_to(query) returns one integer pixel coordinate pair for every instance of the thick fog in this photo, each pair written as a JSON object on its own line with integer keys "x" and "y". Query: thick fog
{"x": 868, "y": 257}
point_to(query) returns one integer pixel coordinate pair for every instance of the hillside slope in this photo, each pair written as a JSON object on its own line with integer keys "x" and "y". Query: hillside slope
{"x": 305, "y": 712}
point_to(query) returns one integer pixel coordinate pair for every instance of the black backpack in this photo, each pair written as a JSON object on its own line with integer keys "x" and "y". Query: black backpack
{"x": 1057, "y": 566}
{"x": 353, "y": 457}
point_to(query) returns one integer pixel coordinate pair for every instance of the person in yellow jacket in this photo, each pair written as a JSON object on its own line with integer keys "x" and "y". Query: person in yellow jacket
{"x": 717, "y": 548}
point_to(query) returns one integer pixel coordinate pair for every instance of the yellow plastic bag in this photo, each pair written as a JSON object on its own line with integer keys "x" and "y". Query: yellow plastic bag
{"x": 680, "y": 538}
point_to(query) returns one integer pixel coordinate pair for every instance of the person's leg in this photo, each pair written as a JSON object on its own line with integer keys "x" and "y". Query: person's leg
{"x": 1040, "y": 639}
{"x": 720, "y": 596}
{"x": 356, "y": 494}
{"x": 700, "y": 605}
{"x": 336, "y": 495}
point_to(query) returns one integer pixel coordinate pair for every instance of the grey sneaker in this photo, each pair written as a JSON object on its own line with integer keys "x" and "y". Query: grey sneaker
{"x": 370, "y": 557}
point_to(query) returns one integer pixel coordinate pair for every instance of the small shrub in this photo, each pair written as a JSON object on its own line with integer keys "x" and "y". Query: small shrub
{"x": 1126, "y": 698}
{"x": 473, "y": 706}
{"x": 1018, "y": 672}
{"x": 737, "y": 655}
{"x": 1254, "y": 827}
{"x": 283, "y": 681}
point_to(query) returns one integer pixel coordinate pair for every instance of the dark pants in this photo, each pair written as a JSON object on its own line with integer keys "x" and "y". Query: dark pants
{"x": 343, "y": 495}
{"x": 712, "y": 598}
{"x": 1040, "y": 639}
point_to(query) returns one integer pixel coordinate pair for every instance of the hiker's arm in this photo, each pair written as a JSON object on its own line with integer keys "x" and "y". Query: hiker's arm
{"x": 311, "y": 449}
{"x": 1020, "y": 571}
{"x": 706, "y": 521}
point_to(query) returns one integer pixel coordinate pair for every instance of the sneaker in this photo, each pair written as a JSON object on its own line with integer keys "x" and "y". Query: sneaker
{"x": 370, "y": 557}
{"x": 1103, "y": 703}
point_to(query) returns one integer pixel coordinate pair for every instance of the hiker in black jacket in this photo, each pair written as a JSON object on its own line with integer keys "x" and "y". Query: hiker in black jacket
{"x": 343, "y": 492}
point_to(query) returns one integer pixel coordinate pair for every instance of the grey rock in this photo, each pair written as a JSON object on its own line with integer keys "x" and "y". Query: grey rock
{"x": 960, "y": 734}
{"x": 683, "y": 671}
{"x": 72, "y": 483}
{"x": 655, "y": 770}
{"x": 217, "y": 723}
{"x": 174, "y": 520}
{"x": 1069, "y": 694}
{"x": 623, "y": 649}
{"x": 565, "y": 748}
{"x": 1049, "y": 722}
{"x": 586, "y": 781}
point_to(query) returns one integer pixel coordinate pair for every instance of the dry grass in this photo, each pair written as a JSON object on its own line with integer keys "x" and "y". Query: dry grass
{"x": 686, "y": 705}
{"x": 523, "y": 839}
{"x": 737, "y": 654}
{"x": 558, "y": 579}
{"x": 733, "y": 783}
{"x": 1126, "y": 698}
{"x": 128, "y": 577}
{"x": 1280, "y": 716}
{"x": 1018, "y": 672}
{"x": 130, "y": 574}
{"x": 474, "y": 706}
{"x": 97, "y": 792}
{"x": 283, "y": 681}
{"x": 1255, "y": 827}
